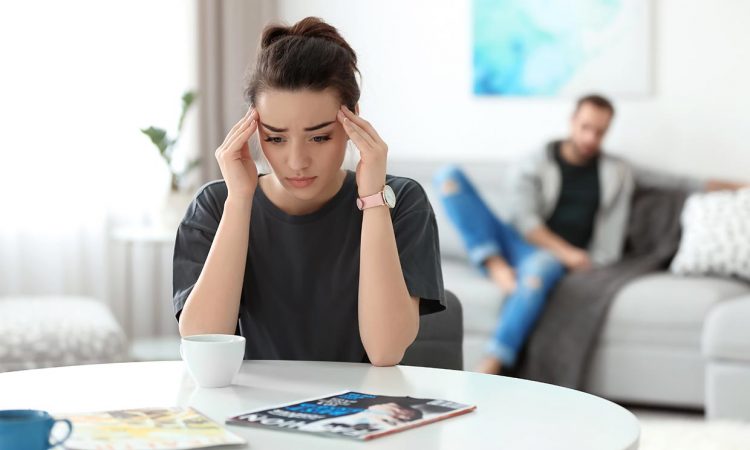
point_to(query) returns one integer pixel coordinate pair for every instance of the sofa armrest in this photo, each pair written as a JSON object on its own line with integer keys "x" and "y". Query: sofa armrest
{"x": 439, "y": 342}
{"x": 725, "y": 331}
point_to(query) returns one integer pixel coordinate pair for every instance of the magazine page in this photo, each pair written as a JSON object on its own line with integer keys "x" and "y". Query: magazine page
{"x": 353, "y": 415}
{"x": 152, "y": 428}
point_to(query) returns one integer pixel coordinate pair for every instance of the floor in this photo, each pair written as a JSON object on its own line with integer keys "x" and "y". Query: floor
{"x": 666, "y": 430}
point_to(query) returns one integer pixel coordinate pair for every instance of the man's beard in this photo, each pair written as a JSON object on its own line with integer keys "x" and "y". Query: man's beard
{"x": 582, "y": 154}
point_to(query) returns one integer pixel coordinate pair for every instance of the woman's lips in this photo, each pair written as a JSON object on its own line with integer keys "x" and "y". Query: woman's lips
{"x": 301, "y": 182}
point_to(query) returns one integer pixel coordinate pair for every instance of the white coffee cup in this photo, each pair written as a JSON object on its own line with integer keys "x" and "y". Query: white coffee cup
{"x": 213, "y": 359}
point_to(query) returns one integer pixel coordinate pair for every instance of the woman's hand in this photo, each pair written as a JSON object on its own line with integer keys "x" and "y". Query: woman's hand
{"x": 236, "y": 164}
{"x": 372, "y": 150}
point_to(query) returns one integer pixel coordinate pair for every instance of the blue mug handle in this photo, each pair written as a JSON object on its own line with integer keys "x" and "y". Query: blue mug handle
{"x": 70, "y": 431}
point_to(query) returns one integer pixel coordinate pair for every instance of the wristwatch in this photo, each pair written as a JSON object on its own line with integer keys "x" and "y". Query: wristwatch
{"x": 384, "y": 197}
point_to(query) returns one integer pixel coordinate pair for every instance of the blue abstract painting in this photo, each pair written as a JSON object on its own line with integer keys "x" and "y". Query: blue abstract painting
{"x": 561, "y": 47}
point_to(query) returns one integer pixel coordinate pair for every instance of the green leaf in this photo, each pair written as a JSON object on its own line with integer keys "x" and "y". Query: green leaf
{"x": 187, "y": 100}
{"x": 159, "y": 138}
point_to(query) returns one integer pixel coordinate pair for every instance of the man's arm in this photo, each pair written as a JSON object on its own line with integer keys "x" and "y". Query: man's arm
{"x": 572, "y": 257}
{"x": 719, "y": 185}
{"x": 656, "y": 178}
{"x": 527, "y": 217}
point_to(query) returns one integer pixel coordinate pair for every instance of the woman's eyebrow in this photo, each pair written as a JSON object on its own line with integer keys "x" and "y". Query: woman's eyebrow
{"x": 317, "y": 127}
{"x": 313, "y": 128}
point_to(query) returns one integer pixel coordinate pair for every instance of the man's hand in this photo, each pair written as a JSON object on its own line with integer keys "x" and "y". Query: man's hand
{"x": 572, "y": 257}
{"x": 720, "y": 185}
{"x": 576, "y": 259}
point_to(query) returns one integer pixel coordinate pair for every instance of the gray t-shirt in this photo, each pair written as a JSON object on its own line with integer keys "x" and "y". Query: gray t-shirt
{"x": 300, "y": 289}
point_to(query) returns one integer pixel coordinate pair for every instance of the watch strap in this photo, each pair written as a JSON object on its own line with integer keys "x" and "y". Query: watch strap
{"x": 371, "y": 201}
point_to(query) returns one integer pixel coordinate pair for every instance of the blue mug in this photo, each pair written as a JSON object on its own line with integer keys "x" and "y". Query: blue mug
{"x": 28, "y": 429}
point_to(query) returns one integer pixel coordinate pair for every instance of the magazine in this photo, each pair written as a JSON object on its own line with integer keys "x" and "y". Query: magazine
{"x": 353, "y": 415}
{"x": 146, "y": 428}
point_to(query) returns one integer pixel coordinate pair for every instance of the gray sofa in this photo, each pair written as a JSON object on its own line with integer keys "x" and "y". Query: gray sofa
{"x": 667, "y": 340}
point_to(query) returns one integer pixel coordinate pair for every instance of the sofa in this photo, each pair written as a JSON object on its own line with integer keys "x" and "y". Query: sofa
{"x": 667, "y": 340}
{"x": 58, "y": 330}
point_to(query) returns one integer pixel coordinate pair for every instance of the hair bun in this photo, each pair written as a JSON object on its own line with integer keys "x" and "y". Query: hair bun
{"x": 309, "y": 27}
{"x": 310, "y": 54}
{"x": 273, "y": 33}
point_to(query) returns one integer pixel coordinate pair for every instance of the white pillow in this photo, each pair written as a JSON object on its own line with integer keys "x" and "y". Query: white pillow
{"x": 715, "y": 235}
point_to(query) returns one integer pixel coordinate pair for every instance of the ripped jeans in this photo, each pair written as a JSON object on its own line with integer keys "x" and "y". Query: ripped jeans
{"x": 484, "y": 235}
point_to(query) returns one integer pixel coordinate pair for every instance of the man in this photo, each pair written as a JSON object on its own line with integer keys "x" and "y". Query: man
{"x": 570, "y": 212}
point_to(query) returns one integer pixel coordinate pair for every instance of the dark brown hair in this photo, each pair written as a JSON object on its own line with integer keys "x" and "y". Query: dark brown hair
{"x": 597, "y": 100}
{"x": 307, "y": 55}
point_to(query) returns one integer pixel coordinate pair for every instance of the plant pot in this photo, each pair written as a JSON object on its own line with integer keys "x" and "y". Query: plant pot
{"x": 173, "y": 209}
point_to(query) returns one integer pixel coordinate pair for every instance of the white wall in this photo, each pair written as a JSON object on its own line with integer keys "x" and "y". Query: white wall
{"x": 415, "y": 57}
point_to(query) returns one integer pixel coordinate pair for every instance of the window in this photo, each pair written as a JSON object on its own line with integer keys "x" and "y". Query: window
{"x": 79, "y": 79}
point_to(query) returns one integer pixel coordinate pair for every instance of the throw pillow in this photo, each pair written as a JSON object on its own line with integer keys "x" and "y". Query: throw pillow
{"x": 715, "y": 235}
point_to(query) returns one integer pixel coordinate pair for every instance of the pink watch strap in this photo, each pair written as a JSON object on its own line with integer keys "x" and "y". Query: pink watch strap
{"x": 370, "y": 201}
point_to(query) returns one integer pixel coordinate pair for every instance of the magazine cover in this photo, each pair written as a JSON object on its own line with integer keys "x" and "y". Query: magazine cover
{"x": 353, "y": 415}
{"x": 152, "y": 428}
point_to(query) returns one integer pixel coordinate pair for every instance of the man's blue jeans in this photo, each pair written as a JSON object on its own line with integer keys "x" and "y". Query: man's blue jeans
{"x": 484, "y": 235}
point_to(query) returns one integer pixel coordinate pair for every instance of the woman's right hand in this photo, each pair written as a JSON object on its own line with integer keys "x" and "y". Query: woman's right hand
{"x": 236, "y": 164}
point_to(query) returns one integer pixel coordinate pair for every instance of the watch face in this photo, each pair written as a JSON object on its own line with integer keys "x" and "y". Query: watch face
{"x": 390, "y": 196}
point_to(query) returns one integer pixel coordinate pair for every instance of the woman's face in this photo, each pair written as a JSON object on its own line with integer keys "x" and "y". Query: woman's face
{"x": 302, "y": 141}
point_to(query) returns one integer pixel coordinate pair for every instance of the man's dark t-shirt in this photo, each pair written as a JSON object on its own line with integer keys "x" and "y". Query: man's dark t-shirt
{"x": 300, "y": 290}
{"x": 575, "y": 212}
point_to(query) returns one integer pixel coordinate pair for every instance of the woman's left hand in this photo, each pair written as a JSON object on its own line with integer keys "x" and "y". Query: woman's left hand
{"x": 372, "y": 150}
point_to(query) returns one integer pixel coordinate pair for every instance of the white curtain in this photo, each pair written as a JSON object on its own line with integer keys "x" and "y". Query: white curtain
{"x": 79, "y": 79}
{"x": 228, "y": 36}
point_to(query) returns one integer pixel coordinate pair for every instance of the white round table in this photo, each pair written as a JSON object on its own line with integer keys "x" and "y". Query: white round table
{"x": 511, "y": 413}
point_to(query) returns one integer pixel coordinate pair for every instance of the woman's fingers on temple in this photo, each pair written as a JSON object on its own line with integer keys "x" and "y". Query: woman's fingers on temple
{"x": 248, "y": 117}
{"x": 241, "y": 138}
{"x": 241, "y": 122}
{"x": 356, "y": 136}
{"x": 250, "y": 129}
{"x": 244, "y": 126}
{"x": 352, "y": 127}
{"x": 365, "y": 125}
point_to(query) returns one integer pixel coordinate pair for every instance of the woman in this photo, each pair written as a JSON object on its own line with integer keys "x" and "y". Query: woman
{"x": 308, "y": 262}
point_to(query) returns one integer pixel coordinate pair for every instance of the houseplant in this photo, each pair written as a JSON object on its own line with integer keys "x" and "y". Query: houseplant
{"x": 179, "y": 194}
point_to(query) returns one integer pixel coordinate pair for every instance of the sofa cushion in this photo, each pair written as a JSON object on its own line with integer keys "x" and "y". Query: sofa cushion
{"x": 480, "y": 298}
{"x": 666, "y": 309}
{"x": 50, "y": 331}
{"x": 714, "y": 238}
{"x": 727, "y": 334}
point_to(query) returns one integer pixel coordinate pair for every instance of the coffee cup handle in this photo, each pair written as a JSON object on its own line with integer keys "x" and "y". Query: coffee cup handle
{"x": 70, "y": 431}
